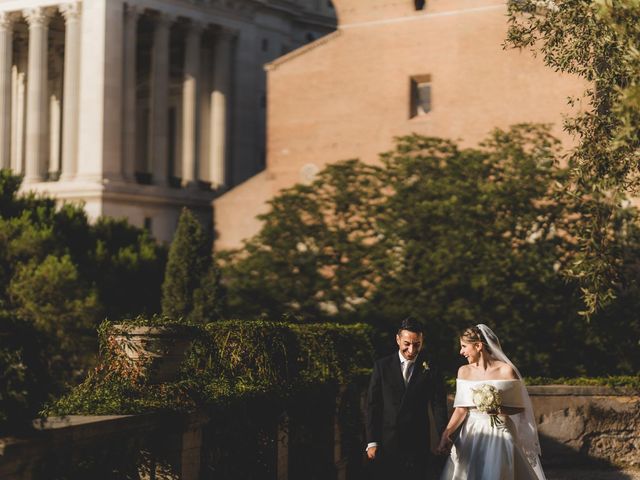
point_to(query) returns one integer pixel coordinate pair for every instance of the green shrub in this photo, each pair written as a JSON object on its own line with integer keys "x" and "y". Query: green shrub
{"x": 191, "y": 289}
{"x": 229, "y": 361}
{"x": 25, "y": 379}
{"x": 624, "y": 381}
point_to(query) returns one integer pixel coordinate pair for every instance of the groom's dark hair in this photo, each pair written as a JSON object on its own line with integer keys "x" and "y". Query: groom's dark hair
{"x": 410, "y": 324}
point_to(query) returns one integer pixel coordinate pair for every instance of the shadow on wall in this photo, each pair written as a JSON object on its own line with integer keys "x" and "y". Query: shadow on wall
{"x": 561, "y": 462}
{"x": 579, "y": 425}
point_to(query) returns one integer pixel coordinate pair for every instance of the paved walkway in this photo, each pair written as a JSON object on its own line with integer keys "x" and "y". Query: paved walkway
{"x": 591, "y": 474}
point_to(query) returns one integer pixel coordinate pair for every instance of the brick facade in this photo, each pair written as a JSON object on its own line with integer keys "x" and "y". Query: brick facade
{"x": 349, "y": 93}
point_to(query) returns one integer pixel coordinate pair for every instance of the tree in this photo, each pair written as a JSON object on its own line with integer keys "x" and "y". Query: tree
{"x": 315, "y": 252}
{"x": 59, "y": 277}
{"x": 190, "y": 290}
{"x": 25, "y": 372}
{"x": 209, "y": 298}
{"x": 447, "y": 235}
{"x": 598, "y": 42}
{"x": 127, "y": 265}
{"x": 51, "y": 295}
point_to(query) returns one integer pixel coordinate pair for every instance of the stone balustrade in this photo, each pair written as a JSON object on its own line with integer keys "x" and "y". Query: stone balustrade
{"x": 577, "y": 425}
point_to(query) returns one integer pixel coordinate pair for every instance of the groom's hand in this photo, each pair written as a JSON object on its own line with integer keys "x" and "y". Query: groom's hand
{"x": 371, "y": 452}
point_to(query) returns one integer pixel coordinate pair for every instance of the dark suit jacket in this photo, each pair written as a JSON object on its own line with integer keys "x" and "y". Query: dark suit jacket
{"x": 397, "y": 416}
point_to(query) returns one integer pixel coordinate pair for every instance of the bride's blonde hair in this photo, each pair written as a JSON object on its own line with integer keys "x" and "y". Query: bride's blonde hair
{"x": 474, "y": 335}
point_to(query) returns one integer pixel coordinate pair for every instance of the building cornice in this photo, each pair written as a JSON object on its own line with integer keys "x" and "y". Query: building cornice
{"x": 78, "y": 190}
{"x": 302, "y": 50}
{"x": 296, "y": 12}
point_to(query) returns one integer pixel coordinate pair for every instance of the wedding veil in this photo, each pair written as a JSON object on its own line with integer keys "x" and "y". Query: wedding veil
{"x": 525, "y": 422}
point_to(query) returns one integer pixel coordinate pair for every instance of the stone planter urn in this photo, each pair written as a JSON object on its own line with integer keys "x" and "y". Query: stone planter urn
{"x": 157, "y": 350}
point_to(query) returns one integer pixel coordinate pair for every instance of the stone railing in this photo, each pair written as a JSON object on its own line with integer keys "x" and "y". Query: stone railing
{"x": 190, "y": 446}
{"x": 577, "y": 425}
{"x": 587, "y": 423}
{"x": 57, "y": 444}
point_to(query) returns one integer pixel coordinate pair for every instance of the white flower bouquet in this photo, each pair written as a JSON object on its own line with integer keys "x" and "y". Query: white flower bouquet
{"x": 487, "y": 399}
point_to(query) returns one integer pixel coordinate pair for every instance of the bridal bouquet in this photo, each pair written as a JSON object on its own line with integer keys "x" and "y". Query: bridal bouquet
{"x": 487, "y": 399}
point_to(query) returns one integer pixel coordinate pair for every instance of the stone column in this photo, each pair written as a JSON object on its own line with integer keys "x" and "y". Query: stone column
{"x": 6, "y": 60}
{"x": 190, "y": 88}
{"x": 54, "y": 112}
{"x": 100, "y": 106}
{"x": 129, "y": 92}
{"x": 191, "y": 448}
{"x": 36, "y": 137}
{"x": 220, "y": 107}
{"x": 159, "y": 105}
{"x": 204, "y": 107}
{"x": 71, "y": 97}
{"x": 18, "y": 110}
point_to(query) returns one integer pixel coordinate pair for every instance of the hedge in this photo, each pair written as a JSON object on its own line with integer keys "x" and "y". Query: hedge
{"x": 228, "y": 361}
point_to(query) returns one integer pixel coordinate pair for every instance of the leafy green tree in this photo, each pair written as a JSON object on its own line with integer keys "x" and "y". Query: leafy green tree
{"x": 25, "y": 373}
{"x": 621, "y": 16}
{"x": 52, "y": 296}
{"x": 451, "y": 236}
{"x": 481, "y": 235}
{"x": 597, "y": 41}
{"x": 191, "y": 290}
{"x": 209, "y": 298}
{"x": 119, "y": 263}
{"x": 127, "y": 265}
{"x": 59, "y": 277}
{"x": 315, "y": 253}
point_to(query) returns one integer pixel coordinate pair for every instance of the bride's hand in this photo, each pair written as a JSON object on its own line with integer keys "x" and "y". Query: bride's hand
{"x": 445, "y": 444}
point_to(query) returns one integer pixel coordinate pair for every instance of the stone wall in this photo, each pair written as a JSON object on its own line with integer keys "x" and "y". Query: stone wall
{"x": 578, "y": 425}
{"x": 585, "y": 423}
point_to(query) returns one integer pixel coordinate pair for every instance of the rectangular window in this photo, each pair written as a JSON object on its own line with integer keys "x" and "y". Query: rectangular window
{"x": 420, "y": 95}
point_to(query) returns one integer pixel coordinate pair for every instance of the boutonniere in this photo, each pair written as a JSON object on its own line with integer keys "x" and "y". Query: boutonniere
{"x": 425, "y": 366}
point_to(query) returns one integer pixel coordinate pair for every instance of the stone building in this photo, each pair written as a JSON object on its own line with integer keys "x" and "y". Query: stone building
{"x": 139, "y": 107}
{"x": 393, "y": 67}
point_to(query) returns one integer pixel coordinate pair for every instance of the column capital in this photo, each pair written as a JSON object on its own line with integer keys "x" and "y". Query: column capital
{"x": 37, "y": 16}
{"x": 7, "y": 20}
{"x": 71, "y": 11}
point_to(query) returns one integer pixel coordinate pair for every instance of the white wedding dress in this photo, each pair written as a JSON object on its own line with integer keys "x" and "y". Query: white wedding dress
{"x": 486, "y": 452}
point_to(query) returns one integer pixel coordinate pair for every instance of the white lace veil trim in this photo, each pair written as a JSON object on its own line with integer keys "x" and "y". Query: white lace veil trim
{"x": 525, "y": 422}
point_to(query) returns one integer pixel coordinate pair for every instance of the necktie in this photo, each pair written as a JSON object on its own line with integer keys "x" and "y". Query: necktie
{"x": 406, "y": 371}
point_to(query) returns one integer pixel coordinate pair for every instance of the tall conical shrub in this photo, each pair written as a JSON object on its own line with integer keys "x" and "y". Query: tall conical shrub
{"x": 209, "y": 299}
{"x": 188, "y": 265}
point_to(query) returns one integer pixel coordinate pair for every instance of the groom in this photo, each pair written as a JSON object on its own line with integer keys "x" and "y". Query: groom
{"x": 402, "y": 389}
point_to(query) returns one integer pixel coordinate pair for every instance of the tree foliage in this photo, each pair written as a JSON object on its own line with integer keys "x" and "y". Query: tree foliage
{"x": 191, "y": 289}
{"x": 314, "y": 254}
{"x": 59, "y": 277}
{"x": 51, "y": 295}
{"x": 448, "y": 235}
{"x": 598, "y": 42}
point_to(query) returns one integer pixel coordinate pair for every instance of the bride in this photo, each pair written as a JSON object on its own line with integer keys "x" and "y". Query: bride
{"x": 498, "y": 439}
